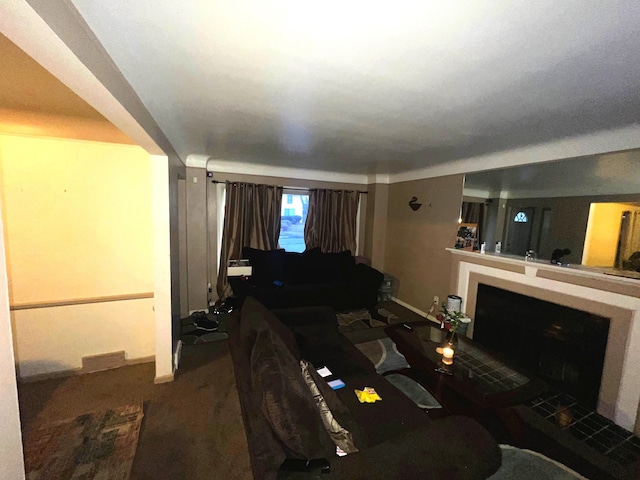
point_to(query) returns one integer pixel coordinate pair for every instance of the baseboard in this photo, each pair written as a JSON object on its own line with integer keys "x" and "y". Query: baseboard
{"x": 79, "y": 371}
{"x": 51, "y": 375}
{"x": 139, "y": 360}
{"x": 415, "y": 310}
{"x": 163, "y": 379}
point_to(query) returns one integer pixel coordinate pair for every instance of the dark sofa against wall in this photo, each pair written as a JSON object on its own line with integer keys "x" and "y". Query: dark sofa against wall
{"x": 287, "y": 279}
{"x": 395, "y": 439}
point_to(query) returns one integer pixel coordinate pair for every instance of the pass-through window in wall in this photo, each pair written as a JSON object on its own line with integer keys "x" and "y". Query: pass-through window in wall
{"x": 293, "y": 217}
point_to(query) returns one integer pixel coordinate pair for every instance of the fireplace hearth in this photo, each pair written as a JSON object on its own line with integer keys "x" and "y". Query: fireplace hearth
{"x": 563, "y": 346}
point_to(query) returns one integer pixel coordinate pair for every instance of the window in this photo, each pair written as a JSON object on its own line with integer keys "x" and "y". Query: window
{"x": 520, "y": 217}
{"x": 293, "y": 218}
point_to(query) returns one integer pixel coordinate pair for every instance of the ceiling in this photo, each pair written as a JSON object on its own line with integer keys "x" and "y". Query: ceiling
{"x": 372, "y": 87}
{"x": 608, "y": 174}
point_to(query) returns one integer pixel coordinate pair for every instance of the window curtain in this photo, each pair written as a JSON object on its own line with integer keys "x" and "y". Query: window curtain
{"x": 331, "y": 220}
{"x": 251, "y": 219}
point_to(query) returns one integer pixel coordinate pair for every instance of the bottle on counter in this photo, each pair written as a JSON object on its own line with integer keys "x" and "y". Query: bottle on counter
{"x": 498, "y": 247}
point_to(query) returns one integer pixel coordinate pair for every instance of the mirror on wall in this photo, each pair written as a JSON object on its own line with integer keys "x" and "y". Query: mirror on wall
{"x": 573, "y": 211}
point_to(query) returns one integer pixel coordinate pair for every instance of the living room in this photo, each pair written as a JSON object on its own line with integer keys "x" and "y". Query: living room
{"x": 411, "y": 246}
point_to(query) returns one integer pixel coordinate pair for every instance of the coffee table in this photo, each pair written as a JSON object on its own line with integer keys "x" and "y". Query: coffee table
{"x": 476, "y": 381}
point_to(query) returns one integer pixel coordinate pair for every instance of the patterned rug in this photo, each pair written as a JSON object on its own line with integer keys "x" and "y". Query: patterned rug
{"x": 362, "y": 319}
{"x": 384, "y": 354}
{"x": 99, "y": 445}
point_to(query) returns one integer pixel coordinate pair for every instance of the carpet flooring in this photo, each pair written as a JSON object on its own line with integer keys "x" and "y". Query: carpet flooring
{"x": 99, "y": 445}
{"x": 192, "y": 427}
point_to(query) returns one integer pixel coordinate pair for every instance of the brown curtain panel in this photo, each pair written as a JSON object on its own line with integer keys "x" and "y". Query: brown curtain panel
{"x": 251, "y": 219}
{"x": 331, "y": 220}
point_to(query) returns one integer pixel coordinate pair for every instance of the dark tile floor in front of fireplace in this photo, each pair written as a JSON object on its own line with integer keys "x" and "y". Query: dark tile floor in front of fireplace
{"x": 598, "y": 432}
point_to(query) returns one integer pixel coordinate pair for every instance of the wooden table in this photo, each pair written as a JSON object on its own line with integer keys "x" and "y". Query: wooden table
{"x": 477, "y": 380}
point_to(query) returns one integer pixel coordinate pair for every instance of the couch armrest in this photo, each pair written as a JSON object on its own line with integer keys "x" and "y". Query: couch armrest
{"x": 368, "y": 275}
{"x": 453, "y": 447}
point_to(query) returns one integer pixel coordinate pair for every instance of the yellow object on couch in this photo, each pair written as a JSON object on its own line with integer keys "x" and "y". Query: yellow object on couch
{"x": 367, "y": 395}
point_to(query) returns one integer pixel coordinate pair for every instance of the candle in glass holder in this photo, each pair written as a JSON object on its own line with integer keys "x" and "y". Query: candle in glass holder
{"x": 447, "y": 355}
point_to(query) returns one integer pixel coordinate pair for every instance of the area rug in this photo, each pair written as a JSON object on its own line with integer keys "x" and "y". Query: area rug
{"x": 386, "y": 358}
{"x": 362, "y": 319}
{"x": 523, "y": 464}
{"x": 94, "y": 446}
{"x": 383, "y": 354}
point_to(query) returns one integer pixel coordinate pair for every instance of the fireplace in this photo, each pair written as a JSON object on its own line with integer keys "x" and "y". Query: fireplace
{"x": 613, "y": 298}
{"x": 563, "y": 346}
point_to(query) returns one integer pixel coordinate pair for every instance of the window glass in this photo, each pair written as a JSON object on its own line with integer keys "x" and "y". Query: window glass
{"x": 293, "y": 218}
{"x": 521, "y": 217}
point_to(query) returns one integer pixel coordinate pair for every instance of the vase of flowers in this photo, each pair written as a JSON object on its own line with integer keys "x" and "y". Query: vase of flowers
{"x": 453, "y": 322}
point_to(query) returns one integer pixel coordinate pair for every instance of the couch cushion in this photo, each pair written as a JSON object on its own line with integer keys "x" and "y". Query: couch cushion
{"x": 255, "y": 317}
{"x": 285, "y": 400}
{"x": 453, "y": 447}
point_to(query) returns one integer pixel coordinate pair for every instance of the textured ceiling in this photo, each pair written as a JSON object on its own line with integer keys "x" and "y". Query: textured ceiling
{"x": 367, "y": 87}
{"x": 373, "y": 87}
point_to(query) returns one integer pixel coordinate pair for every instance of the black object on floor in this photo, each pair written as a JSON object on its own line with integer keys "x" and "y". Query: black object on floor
{"x": 202, "y": 327}
{"x": 205, "y": 323}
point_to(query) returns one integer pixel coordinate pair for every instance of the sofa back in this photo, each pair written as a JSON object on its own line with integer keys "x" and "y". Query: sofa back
{"x": 309, "y": 267}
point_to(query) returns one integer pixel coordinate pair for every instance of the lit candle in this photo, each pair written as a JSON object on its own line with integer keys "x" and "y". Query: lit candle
{"x": 447, "y": 356}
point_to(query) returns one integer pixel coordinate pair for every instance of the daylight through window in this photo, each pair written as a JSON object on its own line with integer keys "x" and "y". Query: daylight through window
{"x": 293, "y": 217}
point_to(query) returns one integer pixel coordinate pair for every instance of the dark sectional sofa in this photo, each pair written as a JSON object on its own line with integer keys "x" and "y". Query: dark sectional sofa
{"x": 287, "y": 279}
{"x": 285, "y": 432}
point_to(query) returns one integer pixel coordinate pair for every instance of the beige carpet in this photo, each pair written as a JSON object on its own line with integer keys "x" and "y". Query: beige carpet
{"x": 99, "y": 445}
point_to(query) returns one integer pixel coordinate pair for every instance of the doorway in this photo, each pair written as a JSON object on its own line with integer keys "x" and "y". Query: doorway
{"x": 519, "y": 230}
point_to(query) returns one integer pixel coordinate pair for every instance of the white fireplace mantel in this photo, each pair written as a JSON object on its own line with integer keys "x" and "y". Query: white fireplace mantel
{"x": 614, "y": 297}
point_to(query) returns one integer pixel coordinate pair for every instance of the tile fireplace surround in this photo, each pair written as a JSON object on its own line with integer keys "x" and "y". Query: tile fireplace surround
{"x": 612, "y": 297}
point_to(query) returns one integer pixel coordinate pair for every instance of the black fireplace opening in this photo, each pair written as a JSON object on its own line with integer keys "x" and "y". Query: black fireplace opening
{"x": 563, "y": 346}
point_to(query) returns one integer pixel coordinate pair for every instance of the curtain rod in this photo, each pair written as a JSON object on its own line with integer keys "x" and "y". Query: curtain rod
{"x": 300, "y": 189}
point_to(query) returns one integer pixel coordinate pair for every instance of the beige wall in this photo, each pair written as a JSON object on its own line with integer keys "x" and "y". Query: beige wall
{"x": 415, "y": 248}
{"x": 11, "y": 459}
{"x": 78, "y": 226}
{"x": 376, "y": 226}
{"x": 197, "y": 238}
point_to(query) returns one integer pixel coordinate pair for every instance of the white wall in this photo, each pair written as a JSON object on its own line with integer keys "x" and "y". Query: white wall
{"x": 162, "y": 268}
{"x": 11, "y": 460}
{"x": 56, "y": 338}
{"x": 78, "y": 230}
